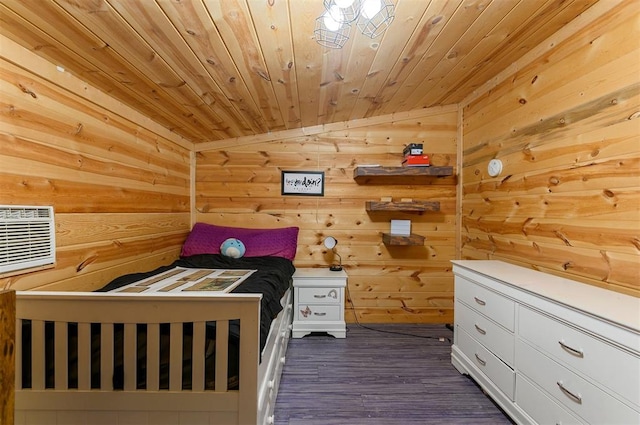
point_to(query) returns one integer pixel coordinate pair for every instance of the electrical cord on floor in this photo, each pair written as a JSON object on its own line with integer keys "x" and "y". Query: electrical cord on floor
{"x": 355, "y": 316}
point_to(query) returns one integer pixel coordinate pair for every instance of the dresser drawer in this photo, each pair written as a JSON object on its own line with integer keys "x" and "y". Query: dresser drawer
{"x": 539, "y": 406}
{"x": 320, "y": 295}
{"x": 587, "y": 401}
{"x": 318, "y": 313}
{"x": 610, "y": 366}
{"x": 497, "y": 371}
{"x": 500, "y": 309}
{"x": 495, "y": 338}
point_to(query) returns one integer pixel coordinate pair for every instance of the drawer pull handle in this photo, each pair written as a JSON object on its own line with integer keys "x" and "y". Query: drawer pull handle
{"x": 479, "y": 301}
{"x": 576, "y": 352}
{"x": 319, "y": 296}
{"x": 480, "y": 330}
{"x": 575, "y": 397}
{"x": 482, "y": 362}
{"x": 319, "y": 314}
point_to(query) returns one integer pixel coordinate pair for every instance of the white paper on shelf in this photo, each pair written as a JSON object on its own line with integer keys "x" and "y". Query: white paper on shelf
{"x": 401, "y": 227}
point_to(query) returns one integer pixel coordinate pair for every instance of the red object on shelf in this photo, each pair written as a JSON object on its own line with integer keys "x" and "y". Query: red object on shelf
{"x": 416, "y": 161}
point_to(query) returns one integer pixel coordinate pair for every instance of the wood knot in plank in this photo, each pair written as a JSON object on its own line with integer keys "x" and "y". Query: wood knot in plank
{"x": 562, "y": 237}
{"x": 526, "y": 224}
{"x": 172, "y": 86}
{"x": 86, "y": 262}
{"x": 27, "y": 91}
{"x": 263, "y": 75}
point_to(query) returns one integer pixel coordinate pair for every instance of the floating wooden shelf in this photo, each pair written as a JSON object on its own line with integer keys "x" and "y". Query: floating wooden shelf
{"x": 409, "y": 206}
{"x": 360, "y": 172}
{"x": 413, "y": 239}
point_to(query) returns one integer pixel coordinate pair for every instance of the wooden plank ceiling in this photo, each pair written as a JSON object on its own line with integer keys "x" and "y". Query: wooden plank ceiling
{"x": 213, "y": 70}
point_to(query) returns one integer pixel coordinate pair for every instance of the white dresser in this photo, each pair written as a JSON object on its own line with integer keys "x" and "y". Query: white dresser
{"x": 319, "y": 302}
{"x": 548, "y": 350}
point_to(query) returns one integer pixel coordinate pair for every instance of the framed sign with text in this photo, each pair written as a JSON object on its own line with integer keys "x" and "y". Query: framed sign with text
{"x": 306, "y": 183}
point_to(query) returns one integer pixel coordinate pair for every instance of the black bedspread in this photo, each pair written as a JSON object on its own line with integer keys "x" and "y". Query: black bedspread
{"x": 272, "y": 279}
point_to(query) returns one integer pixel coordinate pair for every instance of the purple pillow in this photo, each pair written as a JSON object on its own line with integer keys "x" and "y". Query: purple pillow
{"x": 207, "y": 238}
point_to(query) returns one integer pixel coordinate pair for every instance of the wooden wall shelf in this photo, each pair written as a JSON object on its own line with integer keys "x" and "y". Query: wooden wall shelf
{"x": 411, "y": 240}
{"x": 408, "y": 206}
{"x": 360, "y": 172}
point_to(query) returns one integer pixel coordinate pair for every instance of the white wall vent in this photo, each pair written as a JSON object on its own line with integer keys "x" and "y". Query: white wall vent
{"x": 27, "y": 237}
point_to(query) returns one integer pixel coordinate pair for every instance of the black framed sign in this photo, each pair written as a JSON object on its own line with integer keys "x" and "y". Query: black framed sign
{"x": 306, "y": 183}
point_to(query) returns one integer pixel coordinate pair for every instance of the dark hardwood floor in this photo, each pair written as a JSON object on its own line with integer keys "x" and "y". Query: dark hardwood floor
{"x": 379, "y": 378}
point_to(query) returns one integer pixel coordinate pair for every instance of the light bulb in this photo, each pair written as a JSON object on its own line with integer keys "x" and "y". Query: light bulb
{"x": 370, "y": 8}
{"x": 330, "y": 22}
{"x": 336, "y": 14}
{"x": 343, "y": 4}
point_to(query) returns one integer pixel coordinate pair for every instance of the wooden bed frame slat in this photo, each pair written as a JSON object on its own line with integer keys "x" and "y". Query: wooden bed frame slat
{"x": 130, "y": 352}
{"x": 106, "y": 356}
{"x": 61, "y": 354}
{"x": 222, "y": 356}
{"x": 37, "y": 354}
{"x": 198, "y": 356}
{"x": 175, "y": 357}
{"x": 84, "y": 356}
{"x": 153, "y": 357}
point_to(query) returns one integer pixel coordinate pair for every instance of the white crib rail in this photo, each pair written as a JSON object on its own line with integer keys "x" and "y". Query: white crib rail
{"x": 151, "y": 405}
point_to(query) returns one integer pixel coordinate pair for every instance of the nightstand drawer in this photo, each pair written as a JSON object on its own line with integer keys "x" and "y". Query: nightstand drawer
{"x": 496, "y": 370}
{"x": 496, "y": 307}
{"x": 320, "y": 295}
{"x": 610, "y": 366}
{"x": 318, "y": 313}
{"x": 591, "y": 403}
{"x": 495, "y": 338}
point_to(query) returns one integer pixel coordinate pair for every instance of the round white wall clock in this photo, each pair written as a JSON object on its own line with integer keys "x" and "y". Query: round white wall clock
{"x": 494, "y": 168}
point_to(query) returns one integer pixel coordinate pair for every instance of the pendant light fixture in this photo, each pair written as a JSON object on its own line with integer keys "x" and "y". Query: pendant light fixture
{"x": 333, "y": 27}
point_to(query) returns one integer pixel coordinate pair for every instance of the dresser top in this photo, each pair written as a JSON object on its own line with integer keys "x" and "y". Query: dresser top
{"x": 609, "y": 305}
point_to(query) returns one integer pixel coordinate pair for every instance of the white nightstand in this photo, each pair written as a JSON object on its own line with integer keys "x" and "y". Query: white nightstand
{"x": 319, "y": 302}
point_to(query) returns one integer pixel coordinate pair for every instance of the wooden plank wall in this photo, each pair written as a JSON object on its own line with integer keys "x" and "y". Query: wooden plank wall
{"x": 240, "y": 186}
{"x": 119, "y": 183}
{"x": 565, "y": 122}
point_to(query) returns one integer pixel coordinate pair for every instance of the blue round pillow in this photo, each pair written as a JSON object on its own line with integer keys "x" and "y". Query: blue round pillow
{"x": 233, "y": 248}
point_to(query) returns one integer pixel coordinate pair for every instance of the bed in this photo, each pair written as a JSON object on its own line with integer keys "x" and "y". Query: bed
{"x": 162, "y": 357}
